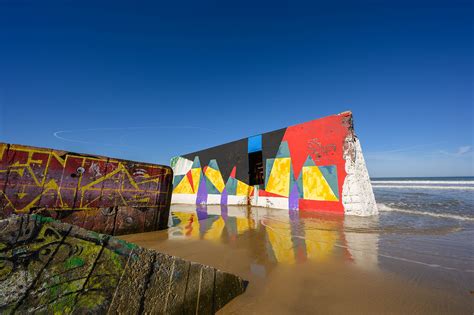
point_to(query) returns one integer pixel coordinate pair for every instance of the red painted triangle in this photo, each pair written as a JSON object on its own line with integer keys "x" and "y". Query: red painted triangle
{"x": 263, "y": 193}
{"x": 190, "y": 178}
{"x": 232, "y": 174}
{"x": 326, "y": 148}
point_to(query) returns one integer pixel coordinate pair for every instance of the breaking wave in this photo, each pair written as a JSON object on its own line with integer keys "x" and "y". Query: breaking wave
{"x": 447, "y": 182}
{"x": 384, "y": 208}
{"x": 375, "y": 185}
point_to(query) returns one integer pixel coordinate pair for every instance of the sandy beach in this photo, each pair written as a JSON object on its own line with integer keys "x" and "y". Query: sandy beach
{"x": 317, "y": 263}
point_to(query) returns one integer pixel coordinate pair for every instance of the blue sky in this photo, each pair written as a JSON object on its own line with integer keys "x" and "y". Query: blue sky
{"x": 152, "y": 80}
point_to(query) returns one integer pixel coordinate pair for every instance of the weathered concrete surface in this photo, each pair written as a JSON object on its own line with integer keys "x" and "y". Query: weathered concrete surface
{"x": 51, "y": 267}
{"x": 357, "y": 194}
{"x": 98, "y": 193}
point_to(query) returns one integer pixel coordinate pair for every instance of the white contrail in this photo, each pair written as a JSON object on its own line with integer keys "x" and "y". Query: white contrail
{"x": 405, "y": 148}
{"x": 59, "y": 134}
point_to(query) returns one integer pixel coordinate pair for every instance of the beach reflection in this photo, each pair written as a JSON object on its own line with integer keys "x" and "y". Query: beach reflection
{"x": 289, "y": 237}
{"x": 299, "y": 262}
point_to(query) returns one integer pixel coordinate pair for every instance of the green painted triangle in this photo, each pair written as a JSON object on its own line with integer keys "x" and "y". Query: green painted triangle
{"x": 299, "y": 183}
{"x": 196, "y": 162}
{"x": 211, "y": 189}
{"x": 309, "y": 161}
{"x": 231, "y": 186}
{"x": 292, "y": 177}
{"x": 283, "y": 150}
{"x": 177, "y": 179}
{"x": 213, "y": 164}
{"x": 173, "y": 161}
{"x": 330, "y": 174}
{"x": 268, "y": 170}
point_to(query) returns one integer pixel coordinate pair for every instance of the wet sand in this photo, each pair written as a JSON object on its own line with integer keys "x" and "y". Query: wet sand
{"x": 312, "y": 263}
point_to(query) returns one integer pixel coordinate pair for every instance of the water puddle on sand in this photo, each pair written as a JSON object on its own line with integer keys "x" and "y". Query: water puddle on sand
{"x": 310, "y": 263}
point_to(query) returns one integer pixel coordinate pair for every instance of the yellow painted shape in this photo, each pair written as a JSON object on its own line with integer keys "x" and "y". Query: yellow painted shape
{"x": 20, "y": 169}
{"x": 184, "y": 187}
{"x": 49, "y": 186}
{"x": 3, "y": 147}
{"x": 59, "y": 159}
{"x": 279, "y": 180}
{"x": 215, "y": 232}
{"x": 196, "y": 176}
{"x": 279, "y": 235}
{"x": 189, "y": 224}
{"x": 21, "y": 195}
{"x": 319, "y": 243}
{"x": 243, "y": 225}
{"x": 315, "y": 186}
{"x": 103, "y": 178}
{"x": 215, "y": 178}
{"x": 243, "y": 189}
{"x": 130, "y": 178}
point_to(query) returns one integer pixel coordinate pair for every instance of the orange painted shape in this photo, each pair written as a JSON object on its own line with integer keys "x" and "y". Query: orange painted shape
{"x": 190, "y": 178}
{"x": 234, "y": 170}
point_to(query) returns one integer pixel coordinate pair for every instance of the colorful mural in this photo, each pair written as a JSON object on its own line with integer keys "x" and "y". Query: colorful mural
{"x": 311, "y": 166}
{"x": 49, "y": 267}
{"x": 102, "y": 194}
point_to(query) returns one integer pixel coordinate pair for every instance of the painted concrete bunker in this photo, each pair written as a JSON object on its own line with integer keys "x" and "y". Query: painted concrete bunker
{"x": 317, "y": 166}
{"x": 98, "y": 193}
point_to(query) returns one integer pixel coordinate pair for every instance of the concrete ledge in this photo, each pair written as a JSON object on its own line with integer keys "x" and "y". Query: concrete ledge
{"x": 49, "y": 267}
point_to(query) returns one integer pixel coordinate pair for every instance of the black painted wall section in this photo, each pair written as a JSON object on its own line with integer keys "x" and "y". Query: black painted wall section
{"x": 227, "y": 156}
{"x": 236, "y": 154}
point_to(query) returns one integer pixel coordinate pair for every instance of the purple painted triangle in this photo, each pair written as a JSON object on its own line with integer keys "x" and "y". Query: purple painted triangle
{"x": 294, "y": 216}
{"x": 224, "y": 211}
{"x": 293, "y": 198}
{"x": 201, "y": 211}
{"x": 202, "y": 192}
{"x": 224, "y": 197}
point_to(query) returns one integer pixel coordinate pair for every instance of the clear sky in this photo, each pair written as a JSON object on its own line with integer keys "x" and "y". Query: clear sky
{"x": 152, "y": 80}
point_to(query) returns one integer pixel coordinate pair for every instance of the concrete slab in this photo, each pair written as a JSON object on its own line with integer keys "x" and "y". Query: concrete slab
{"x": 54, "y": 267}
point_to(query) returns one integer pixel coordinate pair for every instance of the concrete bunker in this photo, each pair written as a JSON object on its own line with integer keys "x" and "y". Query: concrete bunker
{"x": 314, "y": 166}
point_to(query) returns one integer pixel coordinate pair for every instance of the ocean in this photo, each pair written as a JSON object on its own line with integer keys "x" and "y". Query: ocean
{"x": 441, "y": 197}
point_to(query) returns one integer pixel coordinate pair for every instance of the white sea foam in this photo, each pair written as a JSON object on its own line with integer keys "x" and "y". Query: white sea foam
{"x": 375, "y": 185}
{"x": 384, "y": 208}
{"x": 446, "y": 182}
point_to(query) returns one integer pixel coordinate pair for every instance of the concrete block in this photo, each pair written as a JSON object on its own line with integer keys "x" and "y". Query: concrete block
{"x": 53, "y": 267}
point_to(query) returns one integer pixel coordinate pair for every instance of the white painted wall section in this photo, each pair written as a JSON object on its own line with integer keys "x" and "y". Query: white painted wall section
{"x": 357, "y": 195}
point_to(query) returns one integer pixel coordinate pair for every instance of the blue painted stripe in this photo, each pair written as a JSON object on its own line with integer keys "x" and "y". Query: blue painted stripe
{"x": 255, "y": 144}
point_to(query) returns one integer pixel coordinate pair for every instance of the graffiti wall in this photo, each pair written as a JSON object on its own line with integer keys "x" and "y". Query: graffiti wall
{"x": 49, "y": 267}
{"x": 101, "y": 194}
{"x": 317, "y": 166}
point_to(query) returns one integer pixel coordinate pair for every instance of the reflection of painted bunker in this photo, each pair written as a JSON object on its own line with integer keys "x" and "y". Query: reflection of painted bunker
{"x": 316, "y": 165}
{"x": 289, "y": 237}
